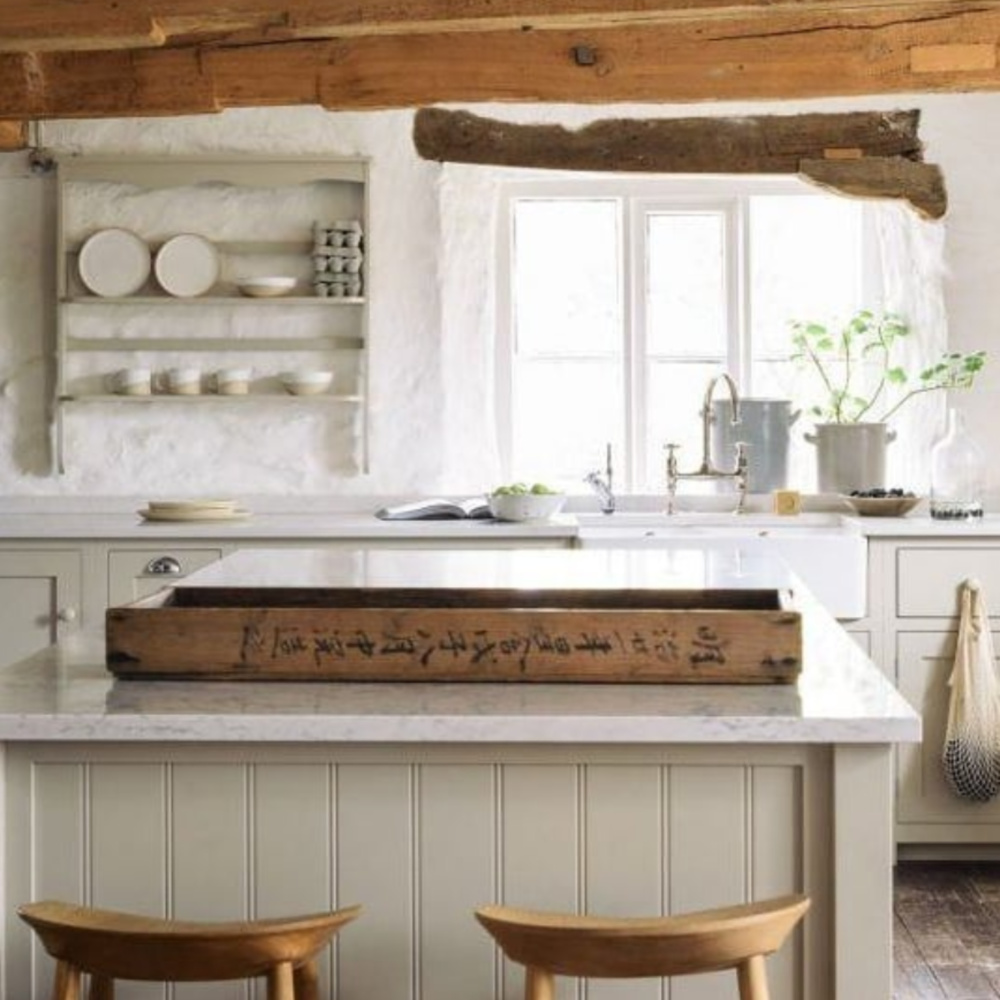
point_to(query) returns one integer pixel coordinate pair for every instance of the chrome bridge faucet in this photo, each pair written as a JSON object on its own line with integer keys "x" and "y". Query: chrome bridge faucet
{"x": 602, "y": 486}
{"x": 706, "y": 471}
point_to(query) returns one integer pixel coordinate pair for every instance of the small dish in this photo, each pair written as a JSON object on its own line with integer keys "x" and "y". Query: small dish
{"x": 189, "y": 504}
{"x": 881, "y": 506}
{"x": 306, "y": 383}
{"x": 195, "y": 514}
{"x": 266, "y": 288}
{"x": 114, "y": 263}
{"x": 187, "y": 265}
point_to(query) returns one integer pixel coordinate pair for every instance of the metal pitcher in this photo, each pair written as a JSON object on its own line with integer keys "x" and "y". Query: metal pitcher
{"x": 764, "y": 426}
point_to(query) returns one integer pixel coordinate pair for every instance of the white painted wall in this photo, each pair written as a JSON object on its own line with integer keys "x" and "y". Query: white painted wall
{"x": 431, "y": 288}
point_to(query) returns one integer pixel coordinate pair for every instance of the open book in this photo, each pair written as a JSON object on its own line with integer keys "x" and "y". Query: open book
{"x": 435, "y": 509}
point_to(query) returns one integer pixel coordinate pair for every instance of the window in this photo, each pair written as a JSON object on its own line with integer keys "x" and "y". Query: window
{"x": 619, "y": 301}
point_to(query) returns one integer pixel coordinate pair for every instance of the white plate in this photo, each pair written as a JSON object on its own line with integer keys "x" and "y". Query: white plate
{"x": 266, "y": 288}
{"x": 114, "y": 263}
{"x": 191, "y": 504}
{"x": 187, "y": 265}
{"x": 203, "y": 514}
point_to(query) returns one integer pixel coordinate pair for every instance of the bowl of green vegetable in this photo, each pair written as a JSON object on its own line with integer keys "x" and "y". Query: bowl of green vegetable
{"x": 520, "y": 502}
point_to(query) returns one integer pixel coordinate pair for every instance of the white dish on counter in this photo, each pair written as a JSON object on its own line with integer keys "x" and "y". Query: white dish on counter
{"x": 195, "y": 514}
{"x": 306, "y": 383}
{"x": 114, "y": 263}
{"x": 187, "y": 265}
{"x": 266, "y": 288}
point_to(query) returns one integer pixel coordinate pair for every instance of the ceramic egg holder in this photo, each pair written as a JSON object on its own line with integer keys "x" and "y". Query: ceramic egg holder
{"x": 337, "y": 259}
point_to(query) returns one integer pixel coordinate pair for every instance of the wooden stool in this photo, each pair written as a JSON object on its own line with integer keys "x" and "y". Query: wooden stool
{"x": 734, "y": 937}
{"x": 112, "y": 946}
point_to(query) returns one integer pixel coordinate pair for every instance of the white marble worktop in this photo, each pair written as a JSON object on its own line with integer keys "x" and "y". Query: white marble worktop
{"x": 65, "y": 693}
{"x": 334, "y": 518}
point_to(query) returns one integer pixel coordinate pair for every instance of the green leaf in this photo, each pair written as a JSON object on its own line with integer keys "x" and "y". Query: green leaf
{"x": 896, "y": 376}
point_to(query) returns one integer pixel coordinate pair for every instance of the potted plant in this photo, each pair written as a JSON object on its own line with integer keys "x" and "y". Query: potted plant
{"x": 862, "y": 388}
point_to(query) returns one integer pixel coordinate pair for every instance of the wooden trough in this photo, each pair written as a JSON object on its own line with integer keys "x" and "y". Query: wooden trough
{"x": 443, "y": 634}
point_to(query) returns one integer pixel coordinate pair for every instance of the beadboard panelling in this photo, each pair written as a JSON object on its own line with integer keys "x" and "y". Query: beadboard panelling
{"x": 209, "y": 854}
{"x": 456, "y": 852}
{"x": 375, "y": 855}
{"x": 623, "y": 856}
{"x": 708, "y": 847}
{"x": 420, "y": 841}
{"x": 128, "y": 858}
{"x": 775, "y": 808}
{"x": 539, "y": 849}
{"x": 58, "y": 796}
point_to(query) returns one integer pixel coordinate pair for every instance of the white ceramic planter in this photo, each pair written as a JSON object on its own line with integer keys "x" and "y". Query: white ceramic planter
{"x": 850, "y": 456}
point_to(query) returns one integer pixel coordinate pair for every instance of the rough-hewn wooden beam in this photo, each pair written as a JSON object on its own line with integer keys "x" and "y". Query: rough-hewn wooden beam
{"x": 81, "y": 25}
{"x": 105, "y": 84}
{"x": 13, "y": 135}
{"x": 787, "y": 54}
{"x": 920, "y": 184}
{"x": 758, "y": 145}
{"x": 872, "y": 154}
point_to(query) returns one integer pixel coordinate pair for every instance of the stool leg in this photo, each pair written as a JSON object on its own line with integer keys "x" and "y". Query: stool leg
{"x": 306, "y": 981}
{"x": 539, "y": 984}
{"x": 752, "y": 977}
{"x": 67, "y": 982}
{"x": 280, "y": 982}
{"x": 101, "y": 988}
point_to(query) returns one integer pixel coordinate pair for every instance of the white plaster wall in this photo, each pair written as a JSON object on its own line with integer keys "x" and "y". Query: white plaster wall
{"x": 431, "y": 285}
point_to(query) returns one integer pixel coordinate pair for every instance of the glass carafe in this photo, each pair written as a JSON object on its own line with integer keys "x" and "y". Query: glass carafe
{"x": 958, "y": 469}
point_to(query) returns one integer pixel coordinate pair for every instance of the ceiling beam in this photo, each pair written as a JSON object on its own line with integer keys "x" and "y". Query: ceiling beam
{"x": 789, "y": 54}
{"x": 748, "y": 145}
{"x": 871, "y": 154}
{"x": 84, "y": 25}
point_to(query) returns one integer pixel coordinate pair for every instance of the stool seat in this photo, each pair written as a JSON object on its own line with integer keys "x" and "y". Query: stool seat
{"x": 731, "y": 937}
{"x": 112, "y": 945}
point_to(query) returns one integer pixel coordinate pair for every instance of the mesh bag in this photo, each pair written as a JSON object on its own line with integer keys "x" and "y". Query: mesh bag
{"x": 971, "y": 755}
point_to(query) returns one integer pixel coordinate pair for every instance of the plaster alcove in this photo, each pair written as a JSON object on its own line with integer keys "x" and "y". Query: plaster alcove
{"x": 431, "y": 313}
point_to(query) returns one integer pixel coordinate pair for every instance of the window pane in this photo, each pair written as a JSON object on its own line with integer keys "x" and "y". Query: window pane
{"x": 673, "y": 414}
{"x": 564, "y": 414}
{"x": 567, "y": 290}
{"x": 805, "y": 263}
{"x": 686, "y": 292}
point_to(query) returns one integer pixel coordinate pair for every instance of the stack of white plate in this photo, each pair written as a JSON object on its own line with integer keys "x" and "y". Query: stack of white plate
{"x": 193, "y": 510}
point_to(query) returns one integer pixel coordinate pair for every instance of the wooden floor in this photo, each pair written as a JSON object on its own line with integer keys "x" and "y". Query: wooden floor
{"x": 947, "y": 931}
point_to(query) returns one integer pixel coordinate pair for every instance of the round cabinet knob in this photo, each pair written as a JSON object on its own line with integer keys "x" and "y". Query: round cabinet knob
{"x": 67, "y": 615}
{"x": 163, "y": 566}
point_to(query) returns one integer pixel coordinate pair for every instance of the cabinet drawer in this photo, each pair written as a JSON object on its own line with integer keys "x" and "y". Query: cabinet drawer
{"x": 928, "y": 580}
{"x": 137, "y": 573}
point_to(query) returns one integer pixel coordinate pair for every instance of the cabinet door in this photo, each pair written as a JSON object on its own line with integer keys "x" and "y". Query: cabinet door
{"x": 137, "y": 573}
{"x": 39, "y": 600}
{"x": 924, "y": 663}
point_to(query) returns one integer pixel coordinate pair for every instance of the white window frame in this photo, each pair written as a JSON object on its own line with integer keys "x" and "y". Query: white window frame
{"x": 637, "y": 196}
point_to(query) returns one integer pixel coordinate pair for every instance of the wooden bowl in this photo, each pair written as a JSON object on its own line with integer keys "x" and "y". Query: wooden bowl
{"x": 881, "y": 506}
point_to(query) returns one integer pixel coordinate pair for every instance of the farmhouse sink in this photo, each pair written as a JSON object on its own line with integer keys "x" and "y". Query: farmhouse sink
{"x": 827, "y": 551}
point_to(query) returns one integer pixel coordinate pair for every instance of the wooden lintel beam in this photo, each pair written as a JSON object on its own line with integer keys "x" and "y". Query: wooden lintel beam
{"x": 13, "y": 135}
{"x": 789, "y": 54}
{"x": 920, "y": 184}
{"x": 757, "y": 145}
{"x": 83, "y": 25}
{"x": 106, "y": 84}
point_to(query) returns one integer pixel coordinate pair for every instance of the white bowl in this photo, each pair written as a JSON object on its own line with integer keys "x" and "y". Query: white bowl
{"x": 525, "y": 506}
{"x": 306, "y": 383}
{"x": 266, "y": 288}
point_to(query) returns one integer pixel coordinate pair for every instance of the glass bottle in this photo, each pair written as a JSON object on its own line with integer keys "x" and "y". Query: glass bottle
{"x": 958, "y": 468}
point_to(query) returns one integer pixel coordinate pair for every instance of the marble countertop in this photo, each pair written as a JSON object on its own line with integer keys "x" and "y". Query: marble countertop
{"x": 330, "y": 519}
{"x": 65, "y": 693}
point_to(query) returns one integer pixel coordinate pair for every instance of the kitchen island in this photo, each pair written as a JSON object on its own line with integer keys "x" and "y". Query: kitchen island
{"x": 421, "y": 801}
